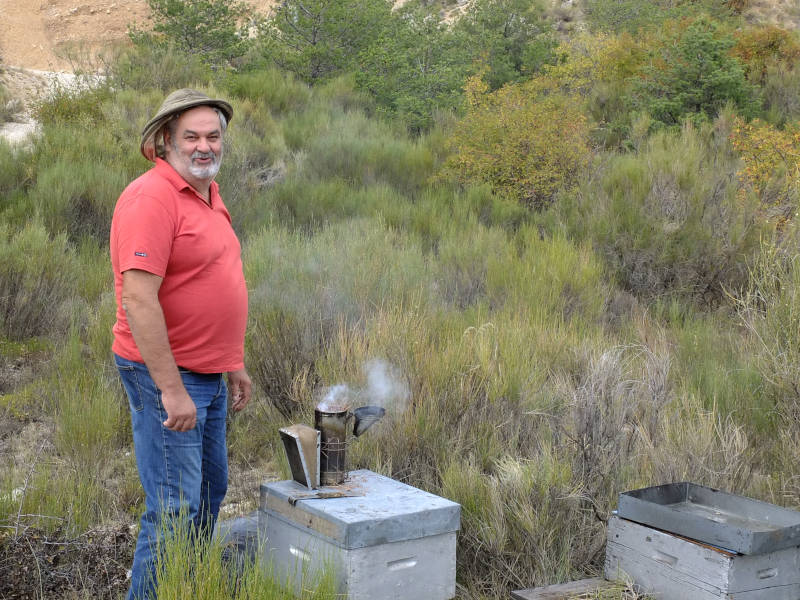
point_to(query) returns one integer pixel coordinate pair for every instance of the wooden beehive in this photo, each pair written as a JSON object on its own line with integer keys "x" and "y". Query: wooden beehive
{"x": 671, "y": 567}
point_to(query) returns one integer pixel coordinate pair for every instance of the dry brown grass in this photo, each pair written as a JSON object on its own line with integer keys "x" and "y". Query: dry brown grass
{"x": 784, "y": 13}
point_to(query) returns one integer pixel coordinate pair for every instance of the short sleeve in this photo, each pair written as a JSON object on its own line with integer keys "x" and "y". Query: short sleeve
{"x": 145, "y": 230}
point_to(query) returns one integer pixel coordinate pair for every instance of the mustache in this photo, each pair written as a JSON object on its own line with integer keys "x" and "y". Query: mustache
{"x": 210, "y": 154}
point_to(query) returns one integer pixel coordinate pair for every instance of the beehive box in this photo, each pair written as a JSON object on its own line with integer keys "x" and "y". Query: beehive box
{"x": 384, "y": 541}
{"x": 671, "y": 567}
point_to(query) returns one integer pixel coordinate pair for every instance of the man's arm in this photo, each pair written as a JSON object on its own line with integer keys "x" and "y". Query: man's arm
{"x": 146, "y": 320}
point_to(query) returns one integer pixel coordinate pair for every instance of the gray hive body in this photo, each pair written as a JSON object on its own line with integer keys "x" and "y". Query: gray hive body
{"x": 685, "y": 541}
{"x": 670, "y": 567}
{"x": 732, "y": 522}
{"x": 385, "y": 540}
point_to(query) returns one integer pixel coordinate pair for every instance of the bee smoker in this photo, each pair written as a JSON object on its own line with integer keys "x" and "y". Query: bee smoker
{"x": 333, "y": 425}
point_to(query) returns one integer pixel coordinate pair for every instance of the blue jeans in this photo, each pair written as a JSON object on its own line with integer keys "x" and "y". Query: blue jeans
{"x": 184, "y": 474}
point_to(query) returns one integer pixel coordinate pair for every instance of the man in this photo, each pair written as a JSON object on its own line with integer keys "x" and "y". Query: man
{"x": 181, "y": 315}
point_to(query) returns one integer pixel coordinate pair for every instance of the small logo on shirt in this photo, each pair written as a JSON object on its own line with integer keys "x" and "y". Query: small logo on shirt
{"x": 143, "y": 254}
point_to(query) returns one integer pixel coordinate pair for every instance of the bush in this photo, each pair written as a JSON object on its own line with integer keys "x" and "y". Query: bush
{"x": 633, "y": 16}
{"x": 770, "y": 309}
{"x": 164, "y": 67}
{"x": 278, "y": 91}
{"x": 669, "y": 219}
{"x": 771, "y": 169}
{"x": 526, "y": 145}
{"x": 8, "y": 107}
{"x": 417, "y": 66}
{"x": 759, "y": 48}
{"x": 35, "y": 295}
{"x": 781, "y": 94}
{"x": 510, "y": 38}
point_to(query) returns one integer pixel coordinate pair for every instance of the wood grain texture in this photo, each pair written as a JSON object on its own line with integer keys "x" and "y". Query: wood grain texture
{"x": 562, "y": 591}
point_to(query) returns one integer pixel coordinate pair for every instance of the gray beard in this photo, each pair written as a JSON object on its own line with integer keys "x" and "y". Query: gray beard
{"x": 206, "y": 172}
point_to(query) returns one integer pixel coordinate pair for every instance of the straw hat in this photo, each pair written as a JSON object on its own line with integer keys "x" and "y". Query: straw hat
{"x": 177, "y": 102}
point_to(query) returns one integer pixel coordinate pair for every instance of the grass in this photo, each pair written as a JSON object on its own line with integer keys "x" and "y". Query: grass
{"x": 199, "y": 569}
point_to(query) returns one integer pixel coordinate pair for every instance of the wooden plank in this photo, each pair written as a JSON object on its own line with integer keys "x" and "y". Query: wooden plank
{"x": 562, "y": 591}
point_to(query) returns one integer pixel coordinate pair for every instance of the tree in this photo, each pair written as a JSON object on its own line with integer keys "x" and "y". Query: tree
{"x": 319, "y": 39}
{"x": 692, "y": 74}
{"x": 416, "y": 66}
{"x": 214, "y": 30}
{"x": 512, "y": 38}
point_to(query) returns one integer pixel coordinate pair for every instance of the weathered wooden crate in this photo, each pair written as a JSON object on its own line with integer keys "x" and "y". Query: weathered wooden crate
{"x": 670, "y": 567}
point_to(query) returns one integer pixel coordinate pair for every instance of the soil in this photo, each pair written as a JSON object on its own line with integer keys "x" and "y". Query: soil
{"x": 36, "y": 34}
{"x": 42, "y": 40}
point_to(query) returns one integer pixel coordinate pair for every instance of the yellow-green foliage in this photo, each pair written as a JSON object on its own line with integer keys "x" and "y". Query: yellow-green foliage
{"x": 526, "y": 145}
{"x": 763, "y": 46}
{"x": 771, "y": 169}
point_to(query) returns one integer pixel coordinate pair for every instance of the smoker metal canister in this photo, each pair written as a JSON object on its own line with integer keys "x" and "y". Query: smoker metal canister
{"x": 333, "y": 445}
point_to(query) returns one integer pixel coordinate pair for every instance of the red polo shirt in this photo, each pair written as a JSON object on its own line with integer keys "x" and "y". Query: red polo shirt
{"x": 163, "y": 226}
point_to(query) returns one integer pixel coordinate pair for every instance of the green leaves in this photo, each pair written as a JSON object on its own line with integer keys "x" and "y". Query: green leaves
{"x": 213, "y": 29}
{"x": 691, "y": 73}
{"x": 320, "y": 39}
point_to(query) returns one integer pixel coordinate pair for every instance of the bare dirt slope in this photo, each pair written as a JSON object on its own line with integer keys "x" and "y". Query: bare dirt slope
{"x": 35, "y": 33}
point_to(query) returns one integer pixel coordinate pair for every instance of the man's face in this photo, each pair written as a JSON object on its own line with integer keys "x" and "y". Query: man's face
{"x": 194, "y": 145}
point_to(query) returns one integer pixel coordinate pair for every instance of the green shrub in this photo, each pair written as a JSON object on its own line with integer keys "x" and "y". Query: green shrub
{"x": 781, "y": 94}
{"x": 279, "y": 91}
{"x": 39, "y": 275}
{"x": 669, "y": 219}
{"x": 511, "y": 38}
{"x": 163, "y": 67}
{"x": 417, "y": 66}
{"x": 77, "y": 199}
{"x": 633, "y": 15}
{"x": 9, "y": 108}
{"x": 14, "y": 174}
{"x": 79, "y": 105}
{"x": 364, "y": 153}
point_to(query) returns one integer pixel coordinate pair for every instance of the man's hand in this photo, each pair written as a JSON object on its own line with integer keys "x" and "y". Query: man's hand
{"x": 239, "y": 386}
{"x": 181, "y": 411}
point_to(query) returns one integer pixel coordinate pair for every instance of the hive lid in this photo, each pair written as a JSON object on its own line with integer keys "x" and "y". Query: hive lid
{"x": 732, "y": 522}
{"x": 384, "y": 510}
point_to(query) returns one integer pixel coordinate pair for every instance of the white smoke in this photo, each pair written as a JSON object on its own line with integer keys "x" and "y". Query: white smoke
{"x": 335, "y": 399}
{"x": 385, "y": 386}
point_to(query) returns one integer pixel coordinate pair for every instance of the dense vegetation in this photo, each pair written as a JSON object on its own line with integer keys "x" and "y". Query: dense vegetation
{"x": 573, "y": 254}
